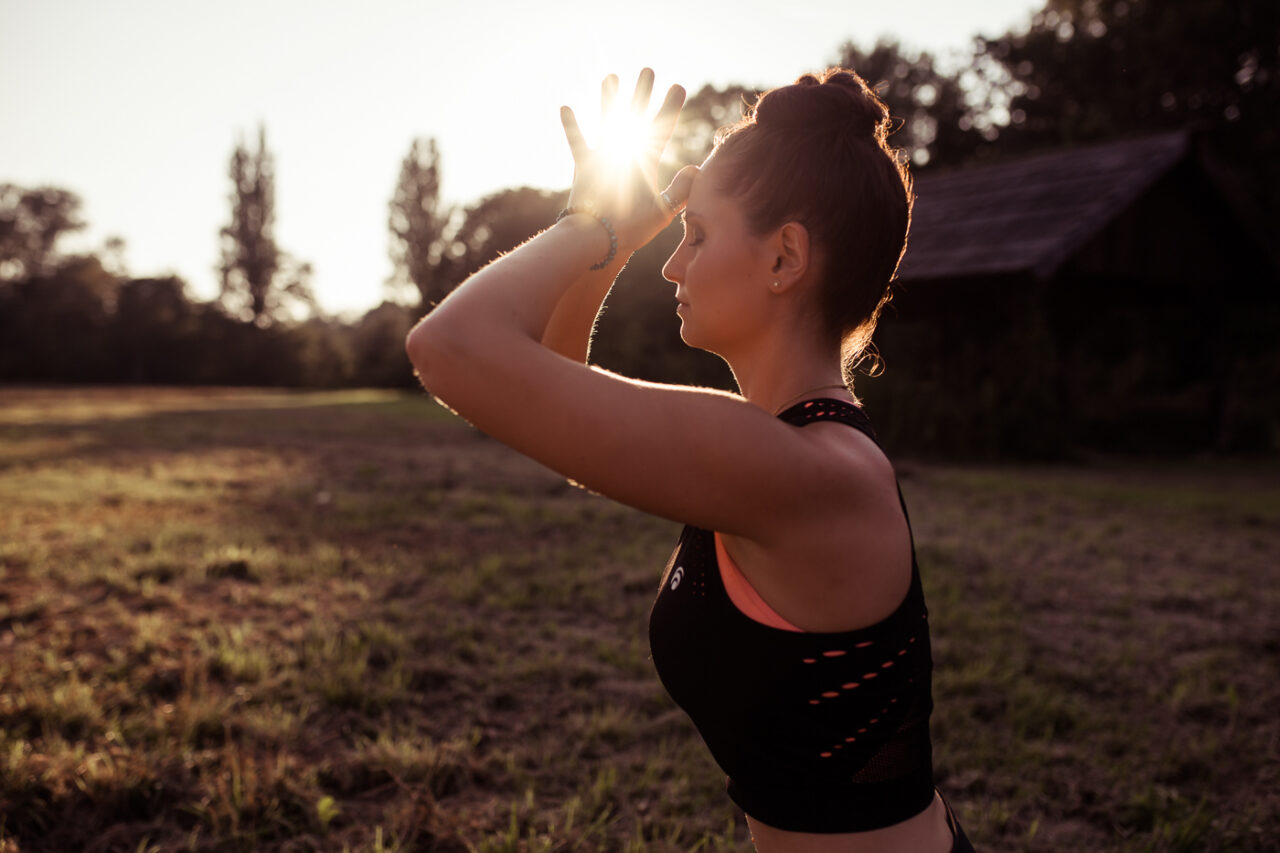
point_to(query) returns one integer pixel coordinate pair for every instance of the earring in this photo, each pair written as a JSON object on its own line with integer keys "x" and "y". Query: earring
{"x": 777, "y": 284}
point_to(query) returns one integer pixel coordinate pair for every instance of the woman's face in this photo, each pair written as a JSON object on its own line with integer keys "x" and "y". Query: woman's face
{"x": 720, "y": 269}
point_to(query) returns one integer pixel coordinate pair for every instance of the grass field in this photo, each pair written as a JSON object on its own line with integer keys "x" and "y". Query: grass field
{"x": 238, "y": 620}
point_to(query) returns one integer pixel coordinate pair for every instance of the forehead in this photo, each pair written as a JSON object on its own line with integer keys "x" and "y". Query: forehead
{"x": 705, "y": 196}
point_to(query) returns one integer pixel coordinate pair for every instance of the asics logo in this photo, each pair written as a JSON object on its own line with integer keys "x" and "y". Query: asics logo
{"x": 676, "y": 577}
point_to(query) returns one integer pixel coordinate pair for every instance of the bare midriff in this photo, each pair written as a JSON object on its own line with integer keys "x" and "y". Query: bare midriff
{"x": 926, "y": 832}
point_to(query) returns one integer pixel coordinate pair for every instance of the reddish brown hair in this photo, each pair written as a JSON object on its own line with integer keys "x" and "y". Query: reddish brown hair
{"x": 816, "y": 152}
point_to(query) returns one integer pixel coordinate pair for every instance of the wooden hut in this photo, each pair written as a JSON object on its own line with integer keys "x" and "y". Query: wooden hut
{"x": 1110, "y": 296}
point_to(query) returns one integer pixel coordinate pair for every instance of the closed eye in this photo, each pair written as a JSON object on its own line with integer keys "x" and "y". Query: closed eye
{"x": 692, "y": 233}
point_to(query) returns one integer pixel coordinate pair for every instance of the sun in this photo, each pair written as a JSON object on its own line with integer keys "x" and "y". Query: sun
{"x": 624, "y": 138}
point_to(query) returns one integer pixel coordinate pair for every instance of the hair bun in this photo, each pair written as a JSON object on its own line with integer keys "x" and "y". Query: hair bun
{"x": 837, "y": 99}
{"x": 815, "y": 153}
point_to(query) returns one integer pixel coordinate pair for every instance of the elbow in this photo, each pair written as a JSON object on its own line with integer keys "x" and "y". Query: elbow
{"x": 415, "y": 342}
{"x": 427, "y": 348}
{"x": 444, "y": 354}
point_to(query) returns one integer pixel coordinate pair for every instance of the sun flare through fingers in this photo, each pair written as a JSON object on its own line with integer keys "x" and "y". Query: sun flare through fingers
{"x": 619, "y": 156}
{"x": 625, "y": 139}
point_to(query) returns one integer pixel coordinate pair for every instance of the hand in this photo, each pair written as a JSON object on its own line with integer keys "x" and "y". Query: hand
{"x": 623, "y": 186}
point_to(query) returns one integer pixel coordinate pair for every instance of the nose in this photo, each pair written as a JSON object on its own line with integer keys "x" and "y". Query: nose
{"x": 673, "y": 269}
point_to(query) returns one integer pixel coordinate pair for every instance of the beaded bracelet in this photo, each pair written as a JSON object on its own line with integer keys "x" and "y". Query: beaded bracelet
{"x": 608, "y": 226}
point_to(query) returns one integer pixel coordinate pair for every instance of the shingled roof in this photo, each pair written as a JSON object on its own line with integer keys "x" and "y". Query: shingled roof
{"x": 1029, "y": 215}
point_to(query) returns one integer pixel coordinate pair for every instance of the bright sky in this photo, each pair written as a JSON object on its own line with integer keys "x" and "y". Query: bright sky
{"x": 136, "y": 105}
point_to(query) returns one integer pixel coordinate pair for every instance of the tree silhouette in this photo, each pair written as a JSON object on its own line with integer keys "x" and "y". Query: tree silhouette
{"x": 418, "y": 223}
{"x": 473, "y": 237}
{"x": 376, "y": 349}
{"x": 496, "y": 224}
{"x": 31, "y": 222}
{"x": 938, "y": 121}
{"x": 704, "y": 113}
{"x": 259, "y": 280}
{"x": 154, "y": 330}
{"x": 54, "y": 326}
{"x": 1089, "y": 69}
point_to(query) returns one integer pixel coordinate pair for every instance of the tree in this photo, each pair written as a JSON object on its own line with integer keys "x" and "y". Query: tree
{"x": 465, "y": 240}
{"x": 31, "y": 223}
{"x": 940, "y": 121}
{"x": 377, "y": 348}
{"x": 943, "y": 122}
{"x": 418, "y": 223}
{"x": 1086, "y": 70}
{"x": 496, "y": 224}
{"x": 704, "y": 113}
{"x": 259, "y": 281}
{"x": 153, "y": 327}
{"x": 55, "y": 327}
{"x": 1089, "y": 69}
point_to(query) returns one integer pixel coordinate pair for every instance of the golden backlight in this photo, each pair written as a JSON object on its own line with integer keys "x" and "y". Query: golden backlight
{"x": 621, "y": 155}
{"x": 625, "y": 137}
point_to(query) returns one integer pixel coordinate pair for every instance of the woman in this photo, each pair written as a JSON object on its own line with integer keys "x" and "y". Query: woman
{"x": 790, "y": 623}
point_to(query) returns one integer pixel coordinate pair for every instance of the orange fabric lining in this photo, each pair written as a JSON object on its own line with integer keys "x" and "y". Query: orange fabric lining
{"x": 744, "y": 595}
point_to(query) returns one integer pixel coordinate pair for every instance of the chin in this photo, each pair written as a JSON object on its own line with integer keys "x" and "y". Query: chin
{"x": 687, "y": 335}
{"x": 692, "y": 341}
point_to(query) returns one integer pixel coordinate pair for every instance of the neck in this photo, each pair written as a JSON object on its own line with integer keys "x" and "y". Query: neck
{"x": 783, "y": 369}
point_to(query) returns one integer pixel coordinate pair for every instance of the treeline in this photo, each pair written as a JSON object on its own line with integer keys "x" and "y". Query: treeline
{"x": 74, "y": 319}
{"x": 1080, "y": 71}
{"x": 81, "y": 324}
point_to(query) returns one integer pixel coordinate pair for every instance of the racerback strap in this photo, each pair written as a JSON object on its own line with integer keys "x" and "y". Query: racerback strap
{"x": 827, "y": 409}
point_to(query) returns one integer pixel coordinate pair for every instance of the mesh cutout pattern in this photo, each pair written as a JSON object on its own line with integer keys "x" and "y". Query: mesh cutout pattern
{"x": 818, "y": 732}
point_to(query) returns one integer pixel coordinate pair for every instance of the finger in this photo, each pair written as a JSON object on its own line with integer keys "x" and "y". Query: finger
{"x": 664, "y": 123}
{"x": 644, "y": 88}
{"x": 677, "y": 192}
{"x": 608, "y": 93}
{"x": 577, "y": 144}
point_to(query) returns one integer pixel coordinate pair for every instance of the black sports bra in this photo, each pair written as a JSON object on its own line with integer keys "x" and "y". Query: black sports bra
{"x": 817, "y": 732}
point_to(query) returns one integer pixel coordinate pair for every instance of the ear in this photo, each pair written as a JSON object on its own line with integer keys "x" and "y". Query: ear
{"x": 791, "y": 256}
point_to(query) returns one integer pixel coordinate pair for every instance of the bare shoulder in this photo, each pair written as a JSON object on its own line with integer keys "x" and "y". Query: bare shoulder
{"x": 848, "y": 564}
{"x": 856, "y": 456}
{"x": 858, "y": 480}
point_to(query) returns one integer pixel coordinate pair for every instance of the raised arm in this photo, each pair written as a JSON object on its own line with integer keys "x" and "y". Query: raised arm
{"x": 572, "y": 324}
{"x": 627, "y": 210}
{"x": 495, "y": 351}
